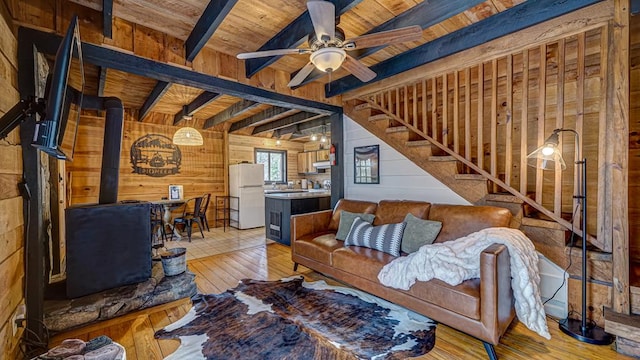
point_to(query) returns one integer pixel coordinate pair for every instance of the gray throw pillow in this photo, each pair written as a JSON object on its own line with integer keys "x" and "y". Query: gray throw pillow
{"x": 419, "y": 232}
{"x": 386, "y": 238}
{"x": 346, "y": 219}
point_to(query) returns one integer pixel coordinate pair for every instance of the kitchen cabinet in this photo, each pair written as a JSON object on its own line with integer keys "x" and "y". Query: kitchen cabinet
{"x": 322, "y": 155}
{"x": 305, "y": 162}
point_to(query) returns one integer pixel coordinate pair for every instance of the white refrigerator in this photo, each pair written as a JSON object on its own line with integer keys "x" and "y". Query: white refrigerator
{"x": 246, "y": 182}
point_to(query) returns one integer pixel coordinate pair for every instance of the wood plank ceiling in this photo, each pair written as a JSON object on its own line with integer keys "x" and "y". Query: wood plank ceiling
{"x": 247, "y": 26}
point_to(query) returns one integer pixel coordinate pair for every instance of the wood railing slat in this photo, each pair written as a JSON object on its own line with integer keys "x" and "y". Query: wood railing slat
{"x": 494, "y": 121}
{"x": 456, "y": 104}
{"x": 406, "y": 104}
{"x": 445, "y": 110}
{"x": 542, "y": 103}
{"x": 467, "y": 113}
{"x": 434, "y": 108}
{"x": 508, "y": 155}
{"x": 414, "y": 119}
{"x": 480, "y": 116}
{"x": 557, "y": 200}
{"x": 424, "y": 106}
{"x": 524, "y": 122}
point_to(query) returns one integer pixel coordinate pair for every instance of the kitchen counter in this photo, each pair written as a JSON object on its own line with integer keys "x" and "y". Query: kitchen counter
{"x": 298, "y": 195}
{"x": 279, "y": 207}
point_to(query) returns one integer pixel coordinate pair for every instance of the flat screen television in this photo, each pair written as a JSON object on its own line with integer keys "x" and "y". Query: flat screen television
{"x": 56, "y": 133}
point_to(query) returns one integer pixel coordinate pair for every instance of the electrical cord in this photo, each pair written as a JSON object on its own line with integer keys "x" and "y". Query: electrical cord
{"x": 31, "y": 344}
{"x": 566, "y": 269}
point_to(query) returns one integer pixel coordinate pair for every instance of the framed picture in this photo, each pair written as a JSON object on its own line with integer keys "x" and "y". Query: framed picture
{"x": 175, "y": 192}
{"x": 366, "y": 164}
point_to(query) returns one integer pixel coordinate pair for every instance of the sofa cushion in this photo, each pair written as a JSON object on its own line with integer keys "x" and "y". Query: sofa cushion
{"x": 462, "y": 220}
{"x": 418, "y": 232}
{"x": 386, "y": 238}
{"x": 346, "y": 220}
{"x": 318, "y": 246}
{"x": 365, "y": 263}
{"x": 394, "y": 211}
{"x": 354, "y": 206}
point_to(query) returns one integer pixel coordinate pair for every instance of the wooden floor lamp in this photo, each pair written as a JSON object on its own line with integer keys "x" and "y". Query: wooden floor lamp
{"x": 549, "y": 157}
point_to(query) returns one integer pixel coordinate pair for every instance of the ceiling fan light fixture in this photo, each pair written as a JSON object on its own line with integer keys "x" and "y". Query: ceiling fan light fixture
{"x": 328, "y": 59}
{"x": 188, "y": 136}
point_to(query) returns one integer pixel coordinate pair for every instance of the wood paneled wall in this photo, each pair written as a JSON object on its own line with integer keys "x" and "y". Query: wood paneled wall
{"x": 202, "y": 169}
{"x": 634, "y": 140}
{"x": 12, "y": 268}
{"x": 241, "y": 148}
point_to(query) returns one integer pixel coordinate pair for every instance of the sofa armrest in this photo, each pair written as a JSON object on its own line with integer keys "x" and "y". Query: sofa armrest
{"x": 309, "y": 223}
{"x": 496, "y": 309}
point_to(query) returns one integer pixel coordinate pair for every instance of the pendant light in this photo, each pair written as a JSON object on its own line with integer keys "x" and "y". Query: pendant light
{"x": 187, "y": 135}
{"x": 323, "y": 138}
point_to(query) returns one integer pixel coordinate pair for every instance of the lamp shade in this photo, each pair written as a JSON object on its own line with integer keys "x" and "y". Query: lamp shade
{"x": 548, "y": 155}
{"x": 188, "y": 136}
{"x": 328, "y": 59}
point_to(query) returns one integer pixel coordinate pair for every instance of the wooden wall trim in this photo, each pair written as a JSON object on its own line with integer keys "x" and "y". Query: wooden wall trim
{"x": 617, "y": 154}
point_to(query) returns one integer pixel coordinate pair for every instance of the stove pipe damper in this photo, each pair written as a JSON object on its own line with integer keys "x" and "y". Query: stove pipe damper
{"x": 108, "y": 244}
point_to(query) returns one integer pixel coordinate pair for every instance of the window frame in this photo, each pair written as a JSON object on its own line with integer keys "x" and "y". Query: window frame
{"x": 284, "y": 162}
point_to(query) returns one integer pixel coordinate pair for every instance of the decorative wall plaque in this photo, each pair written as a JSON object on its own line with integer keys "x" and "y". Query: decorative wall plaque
{"x": 155, "y": 155}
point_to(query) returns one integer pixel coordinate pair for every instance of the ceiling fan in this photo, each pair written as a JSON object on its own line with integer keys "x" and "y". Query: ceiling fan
{"x": 328, "y": 47}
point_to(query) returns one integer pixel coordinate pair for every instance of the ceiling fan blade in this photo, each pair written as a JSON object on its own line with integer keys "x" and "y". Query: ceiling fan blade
{"x": 409, "y": 33}
{"x": 323, "y": 17}
{"x": 358, "y": 69}
{"x": 259, "y": 54}
{"x": 302, "y": 74}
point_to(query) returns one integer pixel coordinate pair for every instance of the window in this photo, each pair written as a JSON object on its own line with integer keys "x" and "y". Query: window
{"x": 275, "y": 165}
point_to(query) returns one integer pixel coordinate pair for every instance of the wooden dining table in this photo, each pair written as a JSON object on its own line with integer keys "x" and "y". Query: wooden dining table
{"x": 168, "y": 206}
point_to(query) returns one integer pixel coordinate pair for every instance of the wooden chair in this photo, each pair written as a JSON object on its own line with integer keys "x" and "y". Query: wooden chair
{"x": 188, "y": 219}
{"x": 206, "y": 199}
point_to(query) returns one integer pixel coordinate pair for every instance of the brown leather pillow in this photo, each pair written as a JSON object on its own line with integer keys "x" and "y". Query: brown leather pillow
{"x": 354, "y": 206}
{"x": 394, "y": 211}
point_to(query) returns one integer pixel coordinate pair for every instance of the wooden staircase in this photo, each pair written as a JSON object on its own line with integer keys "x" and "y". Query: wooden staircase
{"x": 548, "y": 230}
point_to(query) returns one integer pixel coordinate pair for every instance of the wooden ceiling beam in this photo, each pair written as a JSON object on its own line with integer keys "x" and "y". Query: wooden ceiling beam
{"x": 307, "y": 128}
{"x": 425, "y": 14}
{"x": 267, "y": 115}
{"x": 98, "y": 55}
{"x": 212, "y": 17}
{"x": 507, "y": 22}
{"x": 235, "y": 110}
{"x": 158, "y": 91}
{"x": 295, "y": 119}
{"x": 196, "y": 105}
{"x": 293, "y": 35}
{"x": 107, "y": 18}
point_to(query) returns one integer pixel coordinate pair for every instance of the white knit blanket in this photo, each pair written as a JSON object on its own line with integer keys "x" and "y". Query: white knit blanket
{"x": 456, "y": 261}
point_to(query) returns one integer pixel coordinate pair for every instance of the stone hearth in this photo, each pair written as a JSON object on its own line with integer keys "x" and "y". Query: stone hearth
{"x": 159, "y": 289}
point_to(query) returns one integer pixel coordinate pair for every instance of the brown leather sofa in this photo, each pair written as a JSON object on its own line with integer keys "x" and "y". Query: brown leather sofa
{"x": 482, "y": 308}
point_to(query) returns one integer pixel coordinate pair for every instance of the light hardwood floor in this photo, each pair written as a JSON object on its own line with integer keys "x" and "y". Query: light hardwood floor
{"x": 217, "y": 273}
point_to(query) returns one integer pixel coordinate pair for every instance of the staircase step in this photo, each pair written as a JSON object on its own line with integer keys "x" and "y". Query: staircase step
{"x": 506, "y": 198}
{"x": 379, "y": 117}
{"x": 527, "y": 221}
{"x": 445, "y": 158}
{"x": 363, "y": 106}
{"x": 470, "y": 177}
{"x": 417, "y": 143}
{"x": 397, "y": 129}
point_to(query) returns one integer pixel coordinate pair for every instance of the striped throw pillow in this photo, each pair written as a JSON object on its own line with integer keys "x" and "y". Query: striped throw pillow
{"x": 386, "y": 238}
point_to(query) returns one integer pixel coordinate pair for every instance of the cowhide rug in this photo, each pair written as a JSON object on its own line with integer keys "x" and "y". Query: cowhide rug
{"x": 293, "y": 319}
